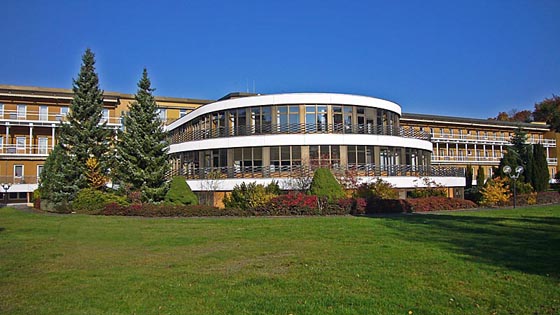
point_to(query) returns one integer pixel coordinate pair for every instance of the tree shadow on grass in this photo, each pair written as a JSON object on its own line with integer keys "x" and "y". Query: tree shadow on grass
{"x": 528, "y": 244}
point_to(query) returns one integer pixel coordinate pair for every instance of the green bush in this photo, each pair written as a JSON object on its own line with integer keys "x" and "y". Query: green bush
{"x": 180, "y": 193}
{"x": 324, "y": 184}
{"x": 379, "y": 189}
{"x": 91, "y": 201}
{"x": 252, "y": 195}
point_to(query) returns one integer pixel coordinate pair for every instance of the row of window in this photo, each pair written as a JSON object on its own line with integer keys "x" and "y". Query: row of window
{"x": 478, "y": 134}
{"x": 285, "y": 118}
{"x": 317, "y": 155}
{"x": 19, "y": 170}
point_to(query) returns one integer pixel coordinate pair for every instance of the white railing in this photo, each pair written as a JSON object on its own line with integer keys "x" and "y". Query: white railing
{"x": 450, "y": 158}
{"x": 34, "y": 116}
{"x": 500, "y": 140}
{"x": 476, "y": 159}
{"x": 12, "y": 149}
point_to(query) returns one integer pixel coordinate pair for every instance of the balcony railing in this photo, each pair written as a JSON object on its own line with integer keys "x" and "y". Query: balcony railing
{"x": 18, "y": 180}
{"x": 499, "y": 140}
{"x": 178, "y": 136}
{"x": 298, "y": 171}
{"x": 476, "y": 159}
{"x": 12, "y": 149}
{"x": 33, "y": 116}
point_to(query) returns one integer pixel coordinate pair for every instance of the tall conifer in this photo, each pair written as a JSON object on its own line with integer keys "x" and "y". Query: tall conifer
{"x": 80, "y": 137}
{"x": 142, "y": 147}
{"x": 540, "y": 168}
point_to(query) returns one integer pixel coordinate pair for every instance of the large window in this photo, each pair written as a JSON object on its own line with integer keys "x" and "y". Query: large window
{"x": 247, "y": 159}
{"x": 284, "y": 157}
{"x": 316, "y": 118}
{"x": 360, "y": 155}
{"x": 324, "y": 155}
{"x": 287, "y": 118}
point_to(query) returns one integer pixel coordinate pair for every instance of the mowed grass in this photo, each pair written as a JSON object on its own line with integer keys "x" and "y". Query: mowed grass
{"x": 483, "y": 262}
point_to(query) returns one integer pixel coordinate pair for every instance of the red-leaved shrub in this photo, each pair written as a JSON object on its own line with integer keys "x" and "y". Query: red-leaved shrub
{"x": 439, "y": 203}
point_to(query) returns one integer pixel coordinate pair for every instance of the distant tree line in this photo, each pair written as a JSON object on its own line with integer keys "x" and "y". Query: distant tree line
{"x": 547, "y": 111}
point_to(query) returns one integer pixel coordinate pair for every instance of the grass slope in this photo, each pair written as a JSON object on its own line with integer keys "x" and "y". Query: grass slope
{"x": 486, "y": 262}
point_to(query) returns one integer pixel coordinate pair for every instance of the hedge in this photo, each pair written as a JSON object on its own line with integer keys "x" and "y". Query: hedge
{"x": 161, "y": 210}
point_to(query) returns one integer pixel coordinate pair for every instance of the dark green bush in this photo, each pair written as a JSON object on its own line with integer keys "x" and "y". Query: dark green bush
{"x": 325, "y": 185}
{"x": 473, "y": 194}
{"x": 180, "y": 193}
{"x": 91, "y": 201}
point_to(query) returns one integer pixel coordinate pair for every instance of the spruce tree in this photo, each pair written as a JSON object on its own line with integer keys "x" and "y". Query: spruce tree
{"x": 80, "y": 137}
{"x": 468, "y": 177}
{"x": 142, "y": 148}
{"x": 540, "y": 176}
{"x": 54, "y": 186}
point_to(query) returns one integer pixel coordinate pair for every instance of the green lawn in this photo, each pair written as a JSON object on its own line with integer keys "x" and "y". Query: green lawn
{"x": 484, "y": 262}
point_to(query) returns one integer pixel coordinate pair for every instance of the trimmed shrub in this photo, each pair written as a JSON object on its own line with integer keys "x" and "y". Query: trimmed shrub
{"x": 324, "y": 184}
{"x": 162, "y": 210}
{"x": 293, "y": 203}
{"x": 439, "y": 203}
{"x": 547, "y": 197}
{"x": 92, "y": 201}
{"x": 376, "y": 205}
{"x": 180, "y": 193}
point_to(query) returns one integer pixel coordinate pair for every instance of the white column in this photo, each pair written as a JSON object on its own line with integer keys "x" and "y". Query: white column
{"x": 52, "y": 134}
{"x": 484, "y": 150}
{"x": 30, "y": 139}
{"x": 7, "y": 134}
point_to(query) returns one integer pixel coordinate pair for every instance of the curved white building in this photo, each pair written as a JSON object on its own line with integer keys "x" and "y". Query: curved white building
{"x": 284, "y": 137}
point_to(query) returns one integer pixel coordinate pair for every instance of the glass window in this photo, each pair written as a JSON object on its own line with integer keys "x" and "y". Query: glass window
{"x": 63, "y": 113}
{"x": 43, "y": 113}
{"x": 43, "y": 144}
{"x": 1, "y": 110}
{"x": 20, "y": 142}
{"x": 39, "y": 170}
{"x": 21, "y": 111}
{"x": 288, "y": 118}
{"x": 105, "y": 115}
{"x": 162, "y": 114}
{"x": 18, "y": 171}
{"x": 182, "y": 113}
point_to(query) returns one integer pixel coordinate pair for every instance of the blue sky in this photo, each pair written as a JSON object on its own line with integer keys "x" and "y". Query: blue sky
{"x": 461, "y": 58}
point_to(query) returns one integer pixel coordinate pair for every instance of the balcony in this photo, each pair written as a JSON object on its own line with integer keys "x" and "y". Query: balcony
{"x": 29, "y": 151}
{"x": 179, "y": 136}
{"x": 301, "y": 171}
{"x": 37, "y": 118}
{"x": 490, "y": 140}
{"x": 20, "y": 180}
{"x": 448, "y": 159}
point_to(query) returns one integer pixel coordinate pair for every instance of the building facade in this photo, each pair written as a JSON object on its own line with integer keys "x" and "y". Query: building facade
{"x": 29, "y": 120}
{"x": 244, "y": 136}
{"x": 285, "y": 137}
{"x": 460, "y": 142}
